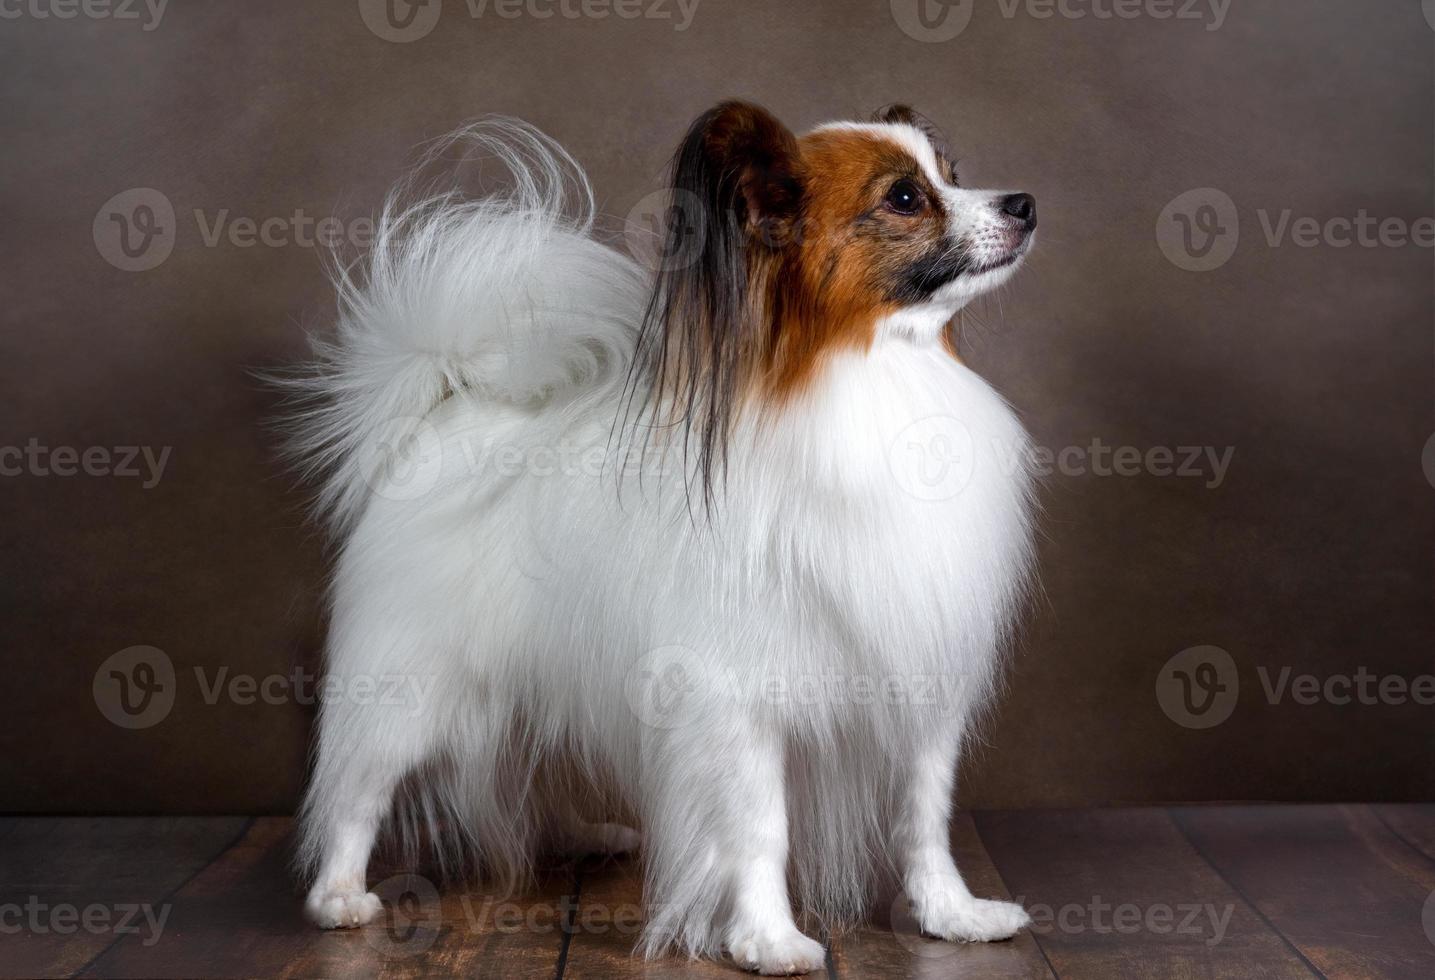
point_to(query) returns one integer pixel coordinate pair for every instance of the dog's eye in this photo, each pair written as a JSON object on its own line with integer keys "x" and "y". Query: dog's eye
{"x": 905, "y": 197}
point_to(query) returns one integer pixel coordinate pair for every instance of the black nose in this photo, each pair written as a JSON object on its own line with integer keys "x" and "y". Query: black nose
{"x": 1021, "y": 207}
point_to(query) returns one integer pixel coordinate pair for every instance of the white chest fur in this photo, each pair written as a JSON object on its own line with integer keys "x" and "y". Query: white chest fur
{"x": 891, "y": 509}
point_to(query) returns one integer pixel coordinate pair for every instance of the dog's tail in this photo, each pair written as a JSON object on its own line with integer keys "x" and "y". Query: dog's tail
{"x": 507, "y": 296}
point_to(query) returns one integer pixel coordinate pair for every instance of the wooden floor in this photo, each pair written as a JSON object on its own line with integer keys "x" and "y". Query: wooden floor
{"x": 1227, "y": 891}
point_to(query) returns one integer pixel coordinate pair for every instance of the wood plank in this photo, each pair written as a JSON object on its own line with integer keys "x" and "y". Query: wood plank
{"x": 1282, "y": 891}
{"x": 1337, "y": 883}
{"x": 108, "y": 869}
{"x": 892, "y": 945}
{"x": 1122, "y": 893}
{"x": 1413, "y": 823}
{"x": 242, "y": 917}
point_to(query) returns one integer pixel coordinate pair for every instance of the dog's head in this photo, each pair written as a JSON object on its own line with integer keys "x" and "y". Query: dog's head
{"x": 782, "y": 250}
{"x": 891, "y": 227}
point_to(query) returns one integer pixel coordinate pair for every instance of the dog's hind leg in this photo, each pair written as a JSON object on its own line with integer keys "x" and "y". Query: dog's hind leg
{"x": 374, "y": 728}
{"x": 578, "y": 836}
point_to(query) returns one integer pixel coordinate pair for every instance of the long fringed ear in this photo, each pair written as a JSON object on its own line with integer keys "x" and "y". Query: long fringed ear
{"x": 737, "y": 197}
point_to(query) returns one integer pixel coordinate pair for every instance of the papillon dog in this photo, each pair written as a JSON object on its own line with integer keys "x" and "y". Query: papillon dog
{"x": 713, "y": 556}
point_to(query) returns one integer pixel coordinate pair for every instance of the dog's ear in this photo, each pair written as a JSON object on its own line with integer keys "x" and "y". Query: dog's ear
{"x": 737, "y": 201}
{"x": 740, "y": 164}
{"x": 905, "y": 114}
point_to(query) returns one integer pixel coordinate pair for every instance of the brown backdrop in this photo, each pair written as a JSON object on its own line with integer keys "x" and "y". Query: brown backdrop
{"x": 1314, "y": 364}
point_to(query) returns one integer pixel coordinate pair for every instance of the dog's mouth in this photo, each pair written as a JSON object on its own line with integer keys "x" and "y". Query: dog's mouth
{"x": 956, "y": 266}
{"x": 1014, "y": 255}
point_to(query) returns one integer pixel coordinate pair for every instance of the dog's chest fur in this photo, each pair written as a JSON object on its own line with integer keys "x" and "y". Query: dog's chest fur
{"x": 886, "y": 515}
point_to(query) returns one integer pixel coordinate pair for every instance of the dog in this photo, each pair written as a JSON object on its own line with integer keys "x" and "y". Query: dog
{"x": 726, "y": 546}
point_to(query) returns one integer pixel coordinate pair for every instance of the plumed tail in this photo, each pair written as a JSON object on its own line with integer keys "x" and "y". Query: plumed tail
{"x": 506, "y": 296}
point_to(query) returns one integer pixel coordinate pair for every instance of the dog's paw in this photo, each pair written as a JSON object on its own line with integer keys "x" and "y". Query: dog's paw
{"x": 336, "y": 908}
{"x": 777, "y": 952}
{"x": 602, "y": 838}
{"x": 971, "y": 920}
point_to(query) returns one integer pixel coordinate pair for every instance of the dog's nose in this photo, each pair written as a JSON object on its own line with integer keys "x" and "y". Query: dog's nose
{"x": 1021, "y": 207}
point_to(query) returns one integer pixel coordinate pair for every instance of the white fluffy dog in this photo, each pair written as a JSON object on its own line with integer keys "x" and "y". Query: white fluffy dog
{"x": 728, "y": 550}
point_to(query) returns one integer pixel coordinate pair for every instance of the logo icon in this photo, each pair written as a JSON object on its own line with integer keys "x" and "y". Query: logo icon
{"x": 1198, "y": 687}
{"x": 665, "y": 229}
{"x": 673, "y": 686}
{"x": 135, "y": 687}
{"x": 400, "y": 21}
{"x": 412, "y": 917}
{"x": 135, "y": 230}
{"x": 403, "y": 460}
{"x": 932, "y": 21}
{"x": 941, "y": 894}
{"x": 1199, "y": 230}
{"x": 933, "y": 459}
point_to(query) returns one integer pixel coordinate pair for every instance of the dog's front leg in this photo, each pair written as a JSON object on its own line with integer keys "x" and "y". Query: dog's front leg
{"x": 943, "y": 905}
{"x": 761, "y": 934}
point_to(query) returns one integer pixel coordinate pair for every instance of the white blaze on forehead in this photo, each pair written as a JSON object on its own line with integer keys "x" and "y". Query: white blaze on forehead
{"x": 909, "y": 138}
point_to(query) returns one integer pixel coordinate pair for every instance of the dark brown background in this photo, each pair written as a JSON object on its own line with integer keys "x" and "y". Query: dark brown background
{"x": 1315, "y": 364}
